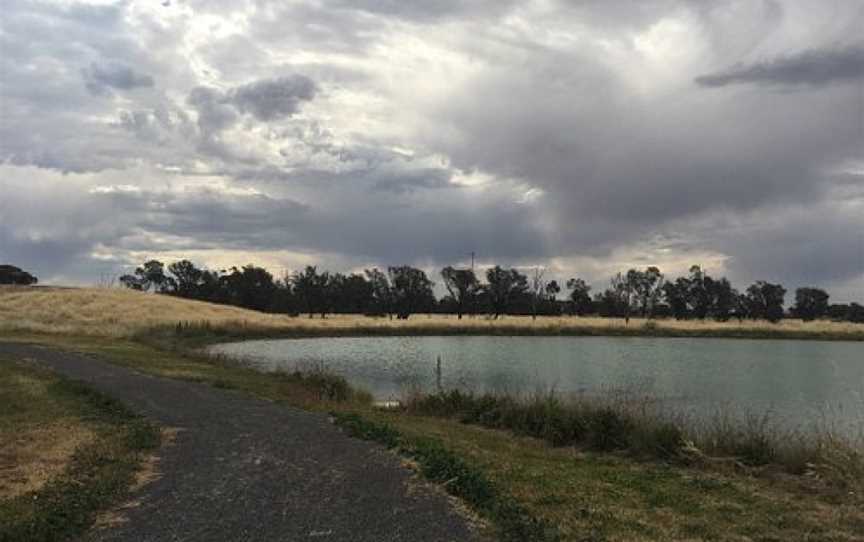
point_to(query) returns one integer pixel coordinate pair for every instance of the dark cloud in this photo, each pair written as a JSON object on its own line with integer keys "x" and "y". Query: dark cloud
{"x": 813, "y": 67}
{"x": 101, "y": 78}
{"x": 266, "y": 100}
{"x": 272, "y": 99}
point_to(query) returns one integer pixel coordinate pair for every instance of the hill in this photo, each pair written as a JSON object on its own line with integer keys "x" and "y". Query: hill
{"x": 123, "y": 313}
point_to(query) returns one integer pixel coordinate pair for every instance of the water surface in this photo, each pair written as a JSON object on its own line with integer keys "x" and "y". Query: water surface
{"x": 799, "y": 382}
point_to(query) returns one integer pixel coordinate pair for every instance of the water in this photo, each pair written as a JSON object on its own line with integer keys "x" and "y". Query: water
{"x": 797, "y": 382}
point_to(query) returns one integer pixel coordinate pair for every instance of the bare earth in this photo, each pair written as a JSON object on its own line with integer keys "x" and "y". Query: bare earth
{"x": 242, "y": 469}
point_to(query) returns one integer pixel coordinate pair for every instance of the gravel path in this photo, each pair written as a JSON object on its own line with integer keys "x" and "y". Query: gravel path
{"x": 243, "y": 469}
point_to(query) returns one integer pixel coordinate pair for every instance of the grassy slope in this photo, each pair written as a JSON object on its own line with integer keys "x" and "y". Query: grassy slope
{"x": 60, "y": 499}
{"x": 123, "y": 313}
{"x": 586, "y": 495}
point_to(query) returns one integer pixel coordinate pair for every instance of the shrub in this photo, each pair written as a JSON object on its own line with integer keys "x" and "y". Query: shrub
{"x": 609, "y": 430}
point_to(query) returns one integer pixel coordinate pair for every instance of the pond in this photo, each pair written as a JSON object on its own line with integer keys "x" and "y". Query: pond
{"x": 797, "y": 382}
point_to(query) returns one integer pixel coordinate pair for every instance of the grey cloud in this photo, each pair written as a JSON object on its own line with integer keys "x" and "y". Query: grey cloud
{"x": 425, "y": 178}
{"x": 100, "y": 78}
{"x": 215, "y": 112}
{"x": 266, "y": 100}
{"x": 556, "y": 97}
{"x": 430, "y": 11}
{"x": 272, "y": 99}
{"x": 813, "y": 67}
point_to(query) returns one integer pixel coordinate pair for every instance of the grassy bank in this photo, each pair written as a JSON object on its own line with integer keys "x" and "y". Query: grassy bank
{"x": 66, "y": 453}
{"x": 125, "y": 314}
{"x": 576, "y": 489}
{"x": 624, "y": 421}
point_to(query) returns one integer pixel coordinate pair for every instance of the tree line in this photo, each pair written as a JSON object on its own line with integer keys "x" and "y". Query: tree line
{"x": 401, "y": 291}
{"x": 9, "y": 274}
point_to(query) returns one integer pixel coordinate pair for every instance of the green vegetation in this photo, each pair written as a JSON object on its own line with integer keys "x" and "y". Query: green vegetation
{"x": 89, "y": 446}
{"x": 627, "y": 421}
{"x": 459, "y": 478}
{"x": 620, "y": 480}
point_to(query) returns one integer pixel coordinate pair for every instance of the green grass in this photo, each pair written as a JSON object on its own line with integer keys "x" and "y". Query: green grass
{"x": 583, "y": 491}
{"x": 630, "y": 422}
{"x": 460, "y": 479}
{"x": 589, "y": 495}
{"x": 98, "y": 473}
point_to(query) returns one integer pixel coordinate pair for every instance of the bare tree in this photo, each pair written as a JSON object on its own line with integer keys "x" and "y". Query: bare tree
{"x": 537, "y": 288}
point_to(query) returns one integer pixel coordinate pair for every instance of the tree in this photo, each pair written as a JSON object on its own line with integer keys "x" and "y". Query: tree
{"x": 537, "y": 289}
{"x": 856, "y": 313}
{"x": 765, "y": 301}
{"x": 249, "y": 287}
{"x": 351, "y": 294}
{"x": 150, "y": 275}
{"x": 676, "y": 296}
{"x": 810, "y": 303}
{"x": 188, "y": 279}
{"x": 463, "y": 287}
{"x": 382, "y": 293}
{"x": 723, "y": 299}
{"x": 412, "y": 290}
{"x": 580, "y": 298}
{"x": 503, "y": 286}
{"x": 313, "y": 289}
{"x": 646, "y": 287}
{"x": 9, "y": 274}
{"x": 852, "y": 312}
{"x": 621, "y": 294}
{"x": 697, "y": 293}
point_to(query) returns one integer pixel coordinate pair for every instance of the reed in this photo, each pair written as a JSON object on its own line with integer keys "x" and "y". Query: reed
{"x": 636, "y": 423}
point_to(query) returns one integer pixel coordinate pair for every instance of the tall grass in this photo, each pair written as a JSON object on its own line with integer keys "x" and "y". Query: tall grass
{"x": 637, "y": 425}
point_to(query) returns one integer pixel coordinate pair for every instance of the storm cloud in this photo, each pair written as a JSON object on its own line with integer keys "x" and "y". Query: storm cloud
{"x": 814, "y": 67}
{"x": 586, "y": 137}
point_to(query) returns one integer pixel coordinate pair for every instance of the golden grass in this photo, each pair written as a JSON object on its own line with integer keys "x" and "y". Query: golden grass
{"x": 123, "y": 313}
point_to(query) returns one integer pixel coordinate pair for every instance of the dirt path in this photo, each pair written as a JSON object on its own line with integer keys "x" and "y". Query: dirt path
{"x": 243, "y": 469}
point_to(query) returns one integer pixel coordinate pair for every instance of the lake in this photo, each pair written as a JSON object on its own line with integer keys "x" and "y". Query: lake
{"x": 798, "y": 382}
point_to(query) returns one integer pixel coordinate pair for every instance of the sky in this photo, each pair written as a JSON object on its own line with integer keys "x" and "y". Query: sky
{"x": 582, "y": 137}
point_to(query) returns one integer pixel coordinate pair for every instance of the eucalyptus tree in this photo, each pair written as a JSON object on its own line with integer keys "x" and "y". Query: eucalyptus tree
{"x": 765, "y": 301}
{"x": 150, "y": 275}
{"x": 313, "y": 289}
{"x": 412, "y": 290}
{"x": 503, "y": 286}
{"x": 463, "y": 287}
{"x": 580, "y": 297}
{"x": 537, "y": 288}
{"x": 382, "y": 293}
{"x": 810, "y": 303}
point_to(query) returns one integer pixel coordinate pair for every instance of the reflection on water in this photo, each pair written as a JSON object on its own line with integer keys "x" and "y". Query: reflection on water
{"x": 798, "y": 381}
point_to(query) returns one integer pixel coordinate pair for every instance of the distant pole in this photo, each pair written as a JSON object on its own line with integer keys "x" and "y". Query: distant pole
{"x": 472, "y": 260}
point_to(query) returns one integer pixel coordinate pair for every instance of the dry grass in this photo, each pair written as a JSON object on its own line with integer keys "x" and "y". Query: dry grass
{"x": 30, "y": 458}
{"x": 66, "y": 452}
{"x": 124, "y": 313}
{"x": 37, "y": 436}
